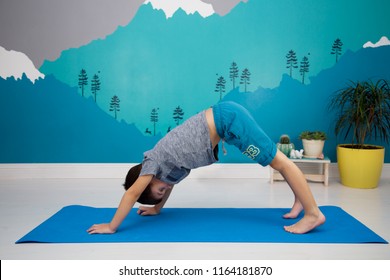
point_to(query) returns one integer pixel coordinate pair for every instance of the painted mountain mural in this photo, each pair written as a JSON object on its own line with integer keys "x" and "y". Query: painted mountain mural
{"x": 155, "y": 62}
{"x": 51, "y": 122}
{"x": 48, "y": 122}
{"x": 112, "y": 99}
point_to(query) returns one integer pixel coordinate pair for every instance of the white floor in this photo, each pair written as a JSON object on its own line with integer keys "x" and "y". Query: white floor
{"x": 26, "y": 203}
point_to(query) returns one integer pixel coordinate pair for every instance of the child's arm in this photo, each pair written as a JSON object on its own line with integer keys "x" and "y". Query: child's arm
{"x": 155, "y": 210}
{"x": 128, "y": 200}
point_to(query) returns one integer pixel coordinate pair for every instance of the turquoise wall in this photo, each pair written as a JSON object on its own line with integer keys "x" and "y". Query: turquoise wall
{"x": 161, "y": 64}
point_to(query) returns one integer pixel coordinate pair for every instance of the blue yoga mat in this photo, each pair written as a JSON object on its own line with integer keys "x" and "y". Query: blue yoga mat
{"x": 69, "y": 225}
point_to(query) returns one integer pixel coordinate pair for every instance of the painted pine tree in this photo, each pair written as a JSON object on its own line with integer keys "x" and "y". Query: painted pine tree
{"x": 178, "y": 115}
{"x": 233, "y": 74}
{"x": 115, "y": 105}
{"x": 220, "y": 86}
{"x": 95, "y": 86}
{"x": 83, "y": 80}
{"x": 292, "y": 61}
{"x": 337, "y": 48}
{"x": 154, "y": 119}
{"x": 245, "y": 78}
{"x": 304, "y": 68}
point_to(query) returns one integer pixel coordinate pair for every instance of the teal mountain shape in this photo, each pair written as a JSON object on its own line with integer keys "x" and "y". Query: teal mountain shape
{"x": 50, "y": 122}
{"x": 158, "y": 63}
{"x": 293, "y": 107}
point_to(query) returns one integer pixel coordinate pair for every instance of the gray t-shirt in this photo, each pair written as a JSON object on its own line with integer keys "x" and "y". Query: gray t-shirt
{"x": 186, "y": 147}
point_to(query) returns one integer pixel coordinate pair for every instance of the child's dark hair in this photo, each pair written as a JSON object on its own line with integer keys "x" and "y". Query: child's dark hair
{"x": 146, "y": 196}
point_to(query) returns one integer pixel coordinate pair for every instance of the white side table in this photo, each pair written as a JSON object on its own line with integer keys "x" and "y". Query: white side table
{"x": 322, "y": 176}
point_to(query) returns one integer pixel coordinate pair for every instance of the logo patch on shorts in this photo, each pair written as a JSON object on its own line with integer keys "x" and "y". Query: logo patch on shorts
{"x": 252, "y": 152}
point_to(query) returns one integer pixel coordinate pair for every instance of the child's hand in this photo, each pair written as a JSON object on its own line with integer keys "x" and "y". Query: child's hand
{"x": 100, "y": 228}
{"x": 147, "y": 211}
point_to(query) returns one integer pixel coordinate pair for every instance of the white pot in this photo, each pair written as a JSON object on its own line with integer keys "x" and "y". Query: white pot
{"x": 312, "y": 148}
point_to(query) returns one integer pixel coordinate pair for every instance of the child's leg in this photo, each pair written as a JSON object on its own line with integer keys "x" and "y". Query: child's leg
{"x": 304, "y": 199}
{"x": 237, "y": 127}
{"x": 295, "y": 210}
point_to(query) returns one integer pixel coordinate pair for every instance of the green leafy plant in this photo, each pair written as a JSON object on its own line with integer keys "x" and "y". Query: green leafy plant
{"x": 363, "y": 110}
{"x": 313, "y": 135}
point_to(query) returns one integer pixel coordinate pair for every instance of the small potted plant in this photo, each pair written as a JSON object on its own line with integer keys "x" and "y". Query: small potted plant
{"x": 285, "y": 145}
{"x": 313, "y": 143}
{"x": 363, "y": 112}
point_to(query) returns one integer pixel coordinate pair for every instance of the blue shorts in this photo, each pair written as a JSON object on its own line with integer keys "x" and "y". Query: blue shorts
{"x": 237, "y": 127}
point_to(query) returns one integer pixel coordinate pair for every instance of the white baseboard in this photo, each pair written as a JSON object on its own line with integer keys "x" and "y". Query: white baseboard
{"x": 102, "y": 171}
{"x": 108, "y": 171}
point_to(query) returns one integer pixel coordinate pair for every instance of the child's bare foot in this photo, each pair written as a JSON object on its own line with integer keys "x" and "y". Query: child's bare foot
{"x": 294, "y": 212}
{"x": 307, "y": 223}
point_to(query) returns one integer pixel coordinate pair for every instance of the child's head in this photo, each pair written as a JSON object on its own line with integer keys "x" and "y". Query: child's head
{"x": 146, "y": 197}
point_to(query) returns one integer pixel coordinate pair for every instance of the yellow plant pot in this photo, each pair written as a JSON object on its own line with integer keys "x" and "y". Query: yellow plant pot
{"x": 360, "y": 168}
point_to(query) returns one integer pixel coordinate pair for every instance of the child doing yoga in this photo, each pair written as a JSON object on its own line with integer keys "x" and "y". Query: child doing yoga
{"x": 194, "y": 144}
